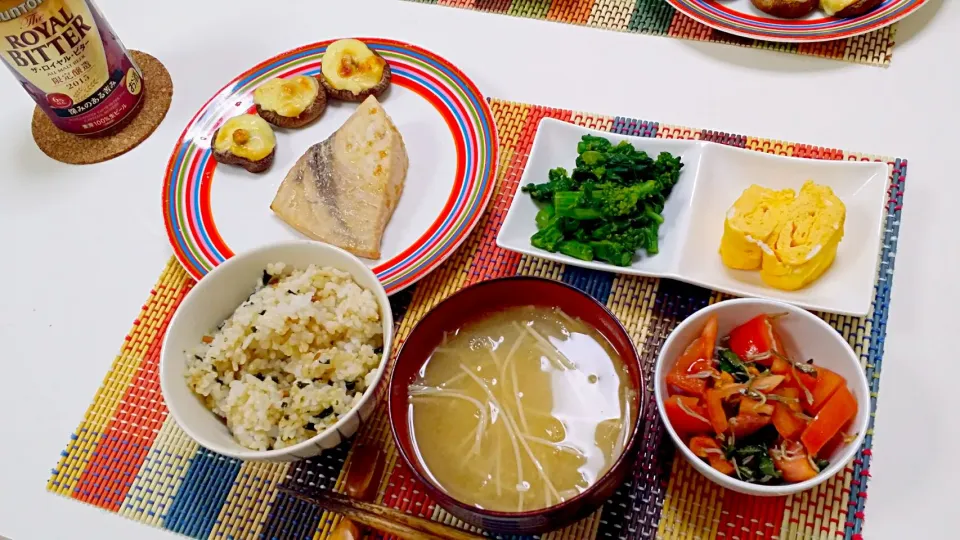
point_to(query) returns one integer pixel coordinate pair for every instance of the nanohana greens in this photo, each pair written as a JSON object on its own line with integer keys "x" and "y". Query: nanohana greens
{"x": 609, "y": 206}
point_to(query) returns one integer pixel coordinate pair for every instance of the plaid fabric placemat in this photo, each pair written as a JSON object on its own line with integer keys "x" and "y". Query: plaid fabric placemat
{"x": 657, "y": 17}
{"x": 129, "y": 457}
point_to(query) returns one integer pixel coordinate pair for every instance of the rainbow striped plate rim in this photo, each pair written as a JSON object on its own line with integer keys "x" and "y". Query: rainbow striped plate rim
{"x": 721, "y": 16}
{"x": 187, "y": 213}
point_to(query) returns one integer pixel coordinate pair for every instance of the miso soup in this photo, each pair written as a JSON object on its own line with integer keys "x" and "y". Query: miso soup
{"x": 521, "y": 410}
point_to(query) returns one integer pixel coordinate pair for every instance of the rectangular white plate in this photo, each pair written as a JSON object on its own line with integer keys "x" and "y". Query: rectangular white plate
{"x": 713, "y": 177}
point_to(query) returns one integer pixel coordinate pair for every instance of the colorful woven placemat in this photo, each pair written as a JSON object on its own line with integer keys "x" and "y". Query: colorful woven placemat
{"x": 657, "y": 17}
{"x": 128, "y": 456}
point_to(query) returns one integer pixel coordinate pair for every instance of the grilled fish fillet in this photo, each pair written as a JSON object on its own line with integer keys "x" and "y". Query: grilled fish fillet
{"x": 344, "y": 190}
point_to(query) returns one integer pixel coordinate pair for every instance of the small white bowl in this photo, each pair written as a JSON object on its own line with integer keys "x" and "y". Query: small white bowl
{"x": 805, "y": 336}
{"x": 214, "y": 299}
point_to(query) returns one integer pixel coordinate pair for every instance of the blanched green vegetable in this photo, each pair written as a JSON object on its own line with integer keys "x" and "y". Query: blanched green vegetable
{"x": 546, "y": 216}
{"x": 548, "y": 238}
{"x": 577, "y": 250}
{"x": 610, "y": 205}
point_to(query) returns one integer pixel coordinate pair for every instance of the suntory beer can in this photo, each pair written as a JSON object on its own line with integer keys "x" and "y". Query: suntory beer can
{"x": 70, "y": 61}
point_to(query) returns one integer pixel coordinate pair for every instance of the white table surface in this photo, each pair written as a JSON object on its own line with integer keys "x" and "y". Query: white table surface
{"x": 82, "y": 245}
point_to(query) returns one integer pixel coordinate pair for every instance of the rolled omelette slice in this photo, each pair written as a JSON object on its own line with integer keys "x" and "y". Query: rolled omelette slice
{"x": 805, "y": 243}
{"x": 750, "y": 223}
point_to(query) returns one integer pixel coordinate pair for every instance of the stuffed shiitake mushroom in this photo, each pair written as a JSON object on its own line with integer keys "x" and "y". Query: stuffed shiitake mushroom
{"x": 292, "y": 102}
{"x": 351, "y": 71}
{"x": 787, "y": 9}
{"x": 247, "y": 141}
{"x": 848, "y": 8}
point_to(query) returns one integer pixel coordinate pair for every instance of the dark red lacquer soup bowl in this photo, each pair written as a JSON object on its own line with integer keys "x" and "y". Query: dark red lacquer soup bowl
{"x": 476, "y": 302}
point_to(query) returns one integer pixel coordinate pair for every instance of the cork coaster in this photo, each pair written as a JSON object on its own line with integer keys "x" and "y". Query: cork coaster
{"x": 75, "y": 150}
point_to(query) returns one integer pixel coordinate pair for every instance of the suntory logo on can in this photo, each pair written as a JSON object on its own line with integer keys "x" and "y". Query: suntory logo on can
{"x": 19, "y": 10}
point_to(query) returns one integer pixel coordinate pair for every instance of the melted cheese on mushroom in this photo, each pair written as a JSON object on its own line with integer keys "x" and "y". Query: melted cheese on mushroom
{"x": 247, "y": 136}
{"x": 831, "y": 7}
{"x": 287, "y": 97}
{"x": 348, "y": 64}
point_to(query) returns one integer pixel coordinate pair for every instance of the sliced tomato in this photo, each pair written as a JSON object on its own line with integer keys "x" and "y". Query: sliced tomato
{"x": 800, "y": 380}
{"x": 701, "y": 445}
{"x": 709, "y": 337}
{"x": 752, "y": 406}
{"x": 743, "y": 425}
{"x": 767, "y": 383}
{"x": 785, "y": 419}
{"x": 756, "y": 337}
{"x": 788, "y": 424}
{"x": 682, "y": 421}
{"x": 731, "y": 390}
{"x": 827, "y": 383}
{"x": 715, "y": 413}
{"x": 791, "y": 397}
{"x": 777, "y": 342}
{"x": 837, "y": 441}
{"x": 833, "y": 444}
{"x": 838, "y": 410}
{"x": 691, "y": 362}
{"x": 803, "y": 382}
{"x": 721, "y": 464}
{"x": 779, "y": 366}
{"x": 794, "y": 465}
{"x": 709, "y": 449}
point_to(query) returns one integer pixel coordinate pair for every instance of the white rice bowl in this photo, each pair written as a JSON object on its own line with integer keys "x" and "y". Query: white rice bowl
{"x": 292, "y": 358}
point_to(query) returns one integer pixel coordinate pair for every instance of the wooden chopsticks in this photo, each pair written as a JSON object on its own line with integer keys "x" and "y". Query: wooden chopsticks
{"x": 382, "y": 518}
{"x": 363, "y": 477}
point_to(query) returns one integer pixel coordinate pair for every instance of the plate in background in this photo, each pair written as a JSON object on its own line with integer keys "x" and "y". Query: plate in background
{"x": 742, "y": 18}
{"x": 713, "y": 177}
{"x": 212, "y": 211}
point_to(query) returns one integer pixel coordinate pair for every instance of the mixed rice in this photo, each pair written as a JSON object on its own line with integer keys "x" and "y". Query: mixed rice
{"x": 292, "y": 358}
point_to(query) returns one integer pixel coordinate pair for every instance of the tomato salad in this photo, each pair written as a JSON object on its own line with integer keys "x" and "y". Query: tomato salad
{"x": 751, "y": 412}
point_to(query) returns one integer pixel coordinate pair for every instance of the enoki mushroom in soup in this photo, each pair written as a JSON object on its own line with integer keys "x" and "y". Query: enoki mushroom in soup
{"x": 521, "y": 409}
